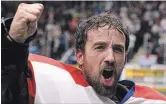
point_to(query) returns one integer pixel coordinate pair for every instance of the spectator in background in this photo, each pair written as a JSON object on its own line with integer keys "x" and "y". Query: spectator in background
{"x": 139, "y": 16}
{"x": 35, "y": 47}
{"x": 147, "y": 59}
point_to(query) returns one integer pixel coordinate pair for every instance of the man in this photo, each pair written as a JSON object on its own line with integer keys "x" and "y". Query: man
{"x": 101, "y": 49}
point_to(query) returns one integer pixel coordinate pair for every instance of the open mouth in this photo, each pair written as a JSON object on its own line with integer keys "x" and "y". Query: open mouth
{"x": 107, "y": 74}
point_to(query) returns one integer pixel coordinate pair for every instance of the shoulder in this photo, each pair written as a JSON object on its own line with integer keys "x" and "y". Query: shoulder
{"x": 148, "y": 93}
{"x": 140, "y": 91}
{"x": 52, "y": 68}
{"x": 139, "y": 94}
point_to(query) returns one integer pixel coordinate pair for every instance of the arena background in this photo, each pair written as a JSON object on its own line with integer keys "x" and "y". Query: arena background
{"x": 146, "y": 21}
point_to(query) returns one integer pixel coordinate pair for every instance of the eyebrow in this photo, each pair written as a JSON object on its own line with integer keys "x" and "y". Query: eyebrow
{"x": 120, "y": 45}
{"x": 105, "y": 43}
{"x": 99, "y": 43}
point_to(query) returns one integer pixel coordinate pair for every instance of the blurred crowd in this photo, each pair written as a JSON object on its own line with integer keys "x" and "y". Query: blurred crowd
{"x": 146, "y": 21}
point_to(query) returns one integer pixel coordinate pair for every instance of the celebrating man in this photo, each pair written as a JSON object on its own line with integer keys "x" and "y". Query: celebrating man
{"x": 101, "y": 49}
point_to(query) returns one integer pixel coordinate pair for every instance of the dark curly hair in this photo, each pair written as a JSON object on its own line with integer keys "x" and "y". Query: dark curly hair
{"x": 96, "y": 21}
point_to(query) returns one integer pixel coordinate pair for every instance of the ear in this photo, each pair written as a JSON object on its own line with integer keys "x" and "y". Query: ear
{"x": 79, "y": 57}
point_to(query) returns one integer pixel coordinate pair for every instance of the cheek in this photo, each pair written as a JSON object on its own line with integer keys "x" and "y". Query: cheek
{"x": 91, "y": 66}
{"x": 89, "y": 63}
{"x": 120, "y": 60}
{"x": 92, "y": 61}
{"x": 119, "y": 66}
{"x": 92, "y": 58}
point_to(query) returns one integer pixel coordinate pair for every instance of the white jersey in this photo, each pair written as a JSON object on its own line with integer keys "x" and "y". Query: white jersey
{"x": 54, "y": 82}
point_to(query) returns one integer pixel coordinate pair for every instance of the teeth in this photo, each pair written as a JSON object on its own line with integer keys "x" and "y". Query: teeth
{"x": 108, "y": 78}
{"x": 108, "y": 69}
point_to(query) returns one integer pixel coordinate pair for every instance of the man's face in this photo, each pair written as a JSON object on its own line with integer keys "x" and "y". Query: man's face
{"x": 103, "y": 59}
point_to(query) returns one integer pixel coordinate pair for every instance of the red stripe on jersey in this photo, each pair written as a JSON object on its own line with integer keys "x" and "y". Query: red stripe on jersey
{"x": 31, "y": 85}
{"x": 148, "y": 93}
{"x": 74, "y": 72}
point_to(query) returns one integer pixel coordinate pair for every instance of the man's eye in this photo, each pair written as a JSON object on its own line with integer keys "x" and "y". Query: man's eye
{"x": 101, "y": 47}
{"x": 118, "y": 49}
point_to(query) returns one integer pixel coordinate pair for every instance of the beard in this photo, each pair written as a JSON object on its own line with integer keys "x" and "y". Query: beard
{"x": 93, "y": 78}
{"x": 94, "y": 81}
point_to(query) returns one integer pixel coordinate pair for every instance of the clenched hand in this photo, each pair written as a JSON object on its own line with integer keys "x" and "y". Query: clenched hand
{"x": 24, "y": 23}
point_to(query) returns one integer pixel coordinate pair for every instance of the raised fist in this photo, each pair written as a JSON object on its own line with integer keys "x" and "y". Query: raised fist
{"x": 24, "y": 23}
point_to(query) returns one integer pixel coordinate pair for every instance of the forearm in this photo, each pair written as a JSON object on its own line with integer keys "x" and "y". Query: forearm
{"x": 12, "y": 53}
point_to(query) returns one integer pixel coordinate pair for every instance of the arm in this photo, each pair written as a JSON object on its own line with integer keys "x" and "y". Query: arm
{"x": 16, "y": 33}
{"x": 14, "y": 63}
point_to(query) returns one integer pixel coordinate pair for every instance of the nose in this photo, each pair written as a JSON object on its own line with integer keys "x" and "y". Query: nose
{"x": 110, "y": 58}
